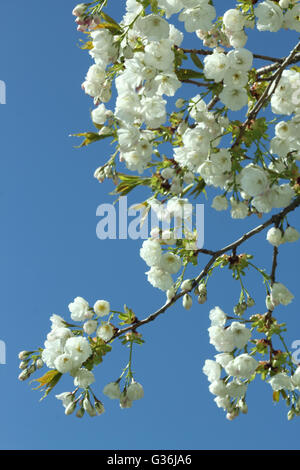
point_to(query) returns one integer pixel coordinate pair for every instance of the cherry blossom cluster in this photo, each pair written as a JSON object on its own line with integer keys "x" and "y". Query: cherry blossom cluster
{"x": 177, "y": 145}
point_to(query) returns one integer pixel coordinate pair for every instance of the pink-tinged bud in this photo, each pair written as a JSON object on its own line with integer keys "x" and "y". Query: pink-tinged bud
{"x": 81, "y": 28}
{"x": 79, "y": 9}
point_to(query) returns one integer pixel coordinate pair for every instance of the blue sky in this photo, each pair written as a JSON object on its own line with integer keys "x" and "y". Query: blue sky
{"x": 50, "y": 254}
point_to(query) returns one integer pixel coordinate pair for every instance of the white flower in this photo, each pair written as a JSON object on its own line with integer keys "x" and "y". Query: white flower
{"x": 222, "y": 402}
{"x": 234, "y": 98}
{"x": 79, "y": 309}
{"x": 217, "y": 317}
{"x": 281, "y": 381}
{"x": 235, "y": 78}
{"x": 105, "y": 332}
{"x": 239, "y": 210}
{"x": 64, "y": 363}
{"x": 151, "y": 252}
{"x": 83, "y": 378}
{"x": 170, "y": 6}
{"x": 90, "y": 327}
{"x": 291, "y": 19}
{"x": 102, "y": 308}
{"x": 200, "y": 17}
{"x": 135, "y": 391}
{"x": 78, "y": 349}
{"x": 215, "y": 66}
{"x": 221, "y": 339}
{"x": 274, "y": 236}
{"x": 280, "y": 294}
{"x": 154, "y": 111}
{"x": 57, "y": 321}
{"x": 170, "y": 263}
{"x": 52, "y": 350}
{"x": 66, "y": 398}
{"x": 269, "y": 16}
{"x": 99, "y": 115}
{"x": 291, "y": 235}
{"x": 240, "y": 59}
{"x": 154, "y": 27}
{"x": 219, "y": 203}
{"x": 218, "y": 387}
{"x": 240, "y": 334}
{"x": 223, "y": 359}
{"x": 212, "y": 369}
{"x": 159, "y": 278}
{"x": 254, "y": 180}
{"x": 234, "y": 20}
{"x": 236, "y": 389}
{"x": 112, "y": 390}
{"x": 242, "y": 366}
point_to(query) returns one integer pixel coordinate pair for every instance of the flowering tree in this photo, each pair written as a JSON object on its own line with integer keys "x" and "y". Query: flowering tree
{"x": 180, "y": 150}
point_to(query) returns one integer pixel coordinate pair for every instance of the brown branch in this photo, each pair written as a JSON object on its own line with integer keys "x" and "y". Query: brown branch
{"x": 273, "y": 220}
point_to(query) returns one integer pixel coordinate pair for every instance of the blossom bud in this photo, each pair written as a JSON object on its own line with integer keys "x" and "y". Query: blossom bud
{"x": 202, "y": 299}
{"x": 243, "y": 407}
{"x": 24, "y": 355}
{"x": 112, "y": 391}
{"x": 23, "y": 365}
{"x": 135, "y": 391}
{"x": 99, "y": 407}
{"x": 187, "y": 284}
{"x": 180, "y": 103}
{"x": 88, "y": 407}
{"x": 187, "y": 301}
{"x": 125, "y": 402}
{"x": 24, "y": 375}
{"x": 39, "y": 364}
{"x": 79, "y": 9}
{"x": 250, "y": 302}
{"x": 240, "y": 308}
{"x": 80, "y": 413}
{"x": 290, "y": 414}
{"x": 269, "y": 303}
{"x": 70, "y": 408}
{"x": 170, "y": 294}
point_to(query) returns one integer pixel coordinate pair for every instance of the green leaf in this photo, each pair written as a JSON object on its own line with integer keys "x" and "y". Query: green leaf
{"x": 196, "y": 60}
{"x": 48, "y": 381}
{"x": 276, "y": 396}
{"x": 185, "y": 74}
{"x": 91, "y": 137}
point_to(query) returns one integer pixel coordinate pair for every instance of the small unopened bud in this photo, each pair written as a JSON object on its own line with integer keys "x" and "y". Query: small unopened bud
{"x": 79, "y": 9}
{"x": 99, "y": 407}
{"x": 250, "y": 302}
{"x": 23, "y": 365}
{"x": 39, "y": 364}
{"x": 170, "y": 294}
{"x": 180, "y": 103}
{"x": 240, "y": 308}
{"x": 202, "y": 299}
{"x": 80, "y": 413}
{"x": 290, "y": 414}
{"x": 24, "y": 355}
{"x": 125, "y": 402}
{"x": 269, "y": 303}
{"x": 187, "y": 284}
{"x": 187, "y": 301}
{"x": 24, "y": 375}
{"x": 243, "y": 407}
{"x": 70, "y": 408}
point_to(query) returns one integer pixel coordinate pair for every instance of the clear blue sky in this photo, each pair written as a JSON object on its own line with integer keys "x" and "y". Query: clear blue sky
{"x": 50, "y": 254}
